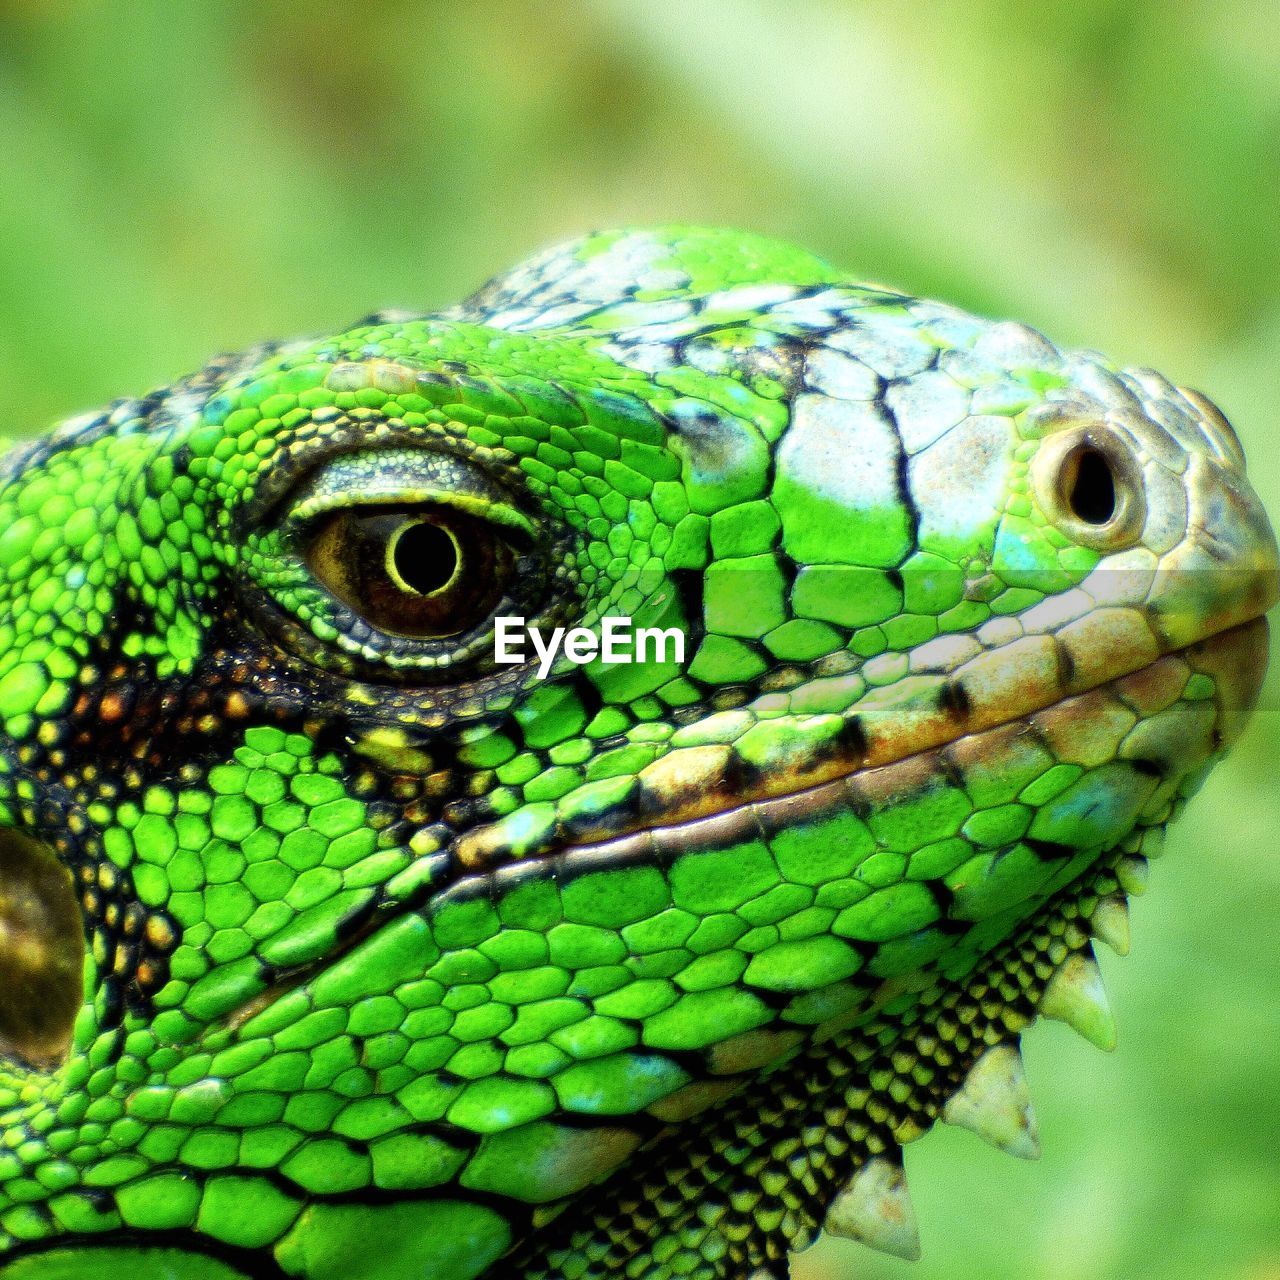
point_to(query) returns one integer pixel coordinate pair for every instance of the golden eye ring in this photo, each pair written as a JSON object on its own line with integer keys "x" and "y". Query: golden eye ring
{"x": 423, "y": 557}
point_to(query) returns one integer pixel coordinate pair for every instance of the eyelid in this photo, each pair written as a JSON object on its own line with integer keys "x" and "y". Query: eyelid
{"x": 482, "y": 509}
{"x": 407, "y": 478}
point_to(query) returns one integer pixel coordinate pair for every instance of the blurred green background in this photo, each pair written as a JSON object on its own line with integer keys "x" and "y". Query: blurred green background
{"x": 184, "y": 177}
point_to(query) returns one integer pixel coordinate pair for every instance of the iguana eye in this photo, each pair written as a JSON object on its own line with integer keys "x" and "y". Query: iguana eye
{"x": 392, "y": 563}
{"x": 419, "y": 572}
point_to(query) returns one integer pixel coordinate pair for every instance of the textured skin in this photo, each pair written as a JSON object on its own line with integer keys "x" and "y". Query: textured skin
{"x": 400, "y": 963}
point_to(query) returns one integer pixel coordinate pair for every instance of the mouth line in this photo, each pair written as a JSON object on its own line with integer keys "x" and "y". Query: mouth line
{"x": 863, "y": 785}
{"x": 716, "y": 826}
{"x": 703, "y": 779}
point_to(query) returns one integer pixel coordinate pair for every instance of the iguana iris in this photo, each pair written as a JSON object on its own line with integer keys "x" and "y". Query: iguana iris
{"x": 331, "y": 947}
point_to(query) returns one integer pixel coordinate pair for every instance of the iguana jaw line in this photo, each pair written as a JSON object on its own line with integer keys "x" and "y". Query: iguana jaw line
{"x": 1015, "y": 684}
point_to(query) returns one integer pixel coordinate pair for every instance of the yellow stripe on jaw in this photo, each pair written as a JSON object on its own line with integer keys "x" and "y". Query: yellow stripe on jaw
{"x": 699, "y": 794}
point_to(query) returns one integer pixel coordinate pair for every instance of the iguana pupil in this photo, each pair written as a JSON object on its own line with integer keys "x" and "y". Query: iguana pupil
{"x": 333, "y": 945}
{"x": 425, "y": 557}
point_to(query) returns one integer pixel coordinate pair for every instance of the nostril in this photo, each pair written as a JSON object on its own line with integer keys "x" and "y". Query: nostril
{"x": 1089, "y": 486}
{"x": 41, "y": 952}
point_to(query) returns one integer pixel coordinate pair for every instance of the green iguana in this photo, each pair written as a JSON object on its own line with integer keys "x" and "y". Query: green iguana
{"x": 333, "y": 946}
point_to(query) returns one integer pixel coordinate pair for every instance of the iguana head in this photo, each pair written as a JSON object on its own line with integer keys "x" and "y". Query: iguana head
{"x": 334, "y": 947}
